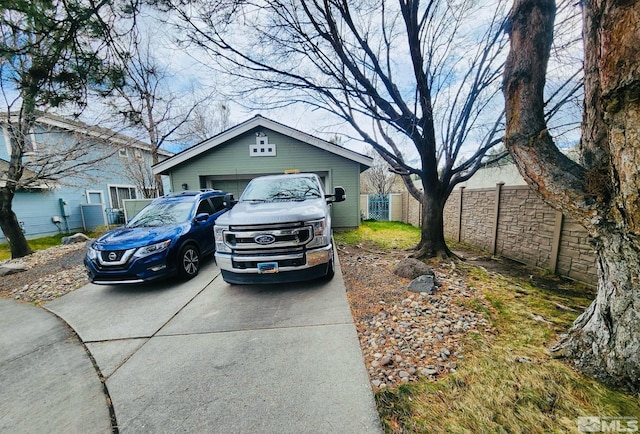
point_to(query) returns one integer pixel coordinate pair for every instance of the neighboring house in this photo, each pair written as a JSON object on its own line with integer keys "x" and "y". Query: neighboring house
{"x": 58, "y": 203}
{"x": 260, "y": 146}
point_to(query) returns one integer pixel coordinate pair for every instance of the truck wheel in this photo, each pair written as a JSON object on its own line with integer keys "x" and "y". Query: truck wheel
{"x": 188, "y": 262}
{"x": 331, "y": 270}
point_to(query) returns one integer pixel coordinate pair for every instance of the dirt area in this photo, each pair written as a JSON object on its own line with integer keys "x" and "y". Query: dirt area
{"x": 406, "y": 335}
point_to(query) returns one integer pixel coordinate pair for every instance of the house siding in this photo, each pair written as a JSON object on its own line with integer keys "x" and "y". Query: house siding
{"x": 232, "y": 159}
{"x": 35, "y": 208}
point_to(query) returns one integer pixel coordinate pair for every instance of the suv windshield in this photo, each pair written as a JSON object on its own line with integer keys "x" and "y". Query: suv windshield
{"x": 162, "y": 214}
{"x": 274, "y": 189}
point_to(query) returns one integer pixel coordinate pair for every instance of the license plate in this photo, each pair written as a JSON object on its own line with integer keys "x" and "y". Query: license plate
{"x": 267, "y": 267}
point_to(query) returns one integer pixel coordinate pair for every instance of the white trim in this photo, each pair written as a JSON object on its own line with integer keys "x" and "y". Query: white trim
{"x": 87, "y": 194}
{"x": 116, "y": 186}
{"x": 258, "y": 121}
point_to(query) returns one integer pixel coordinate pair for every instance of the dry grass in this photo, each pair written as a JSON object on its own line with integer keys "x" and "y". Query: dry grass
{"x": 507, "y": 382}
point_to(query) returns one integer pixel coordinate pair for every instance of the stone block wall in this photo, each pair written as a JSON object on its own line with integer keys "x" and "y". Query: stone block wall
{"x": 515, "y": 223}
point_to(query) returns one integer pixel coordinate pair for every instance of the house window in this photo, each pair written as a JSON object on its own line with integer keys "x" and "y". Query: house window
{"x": 29, "y": 142}
{"x": 137, "y": 154}
{"x": 262, "y": 147}
{"x": 118, "y": 193}
{"x": 122, "y": 153}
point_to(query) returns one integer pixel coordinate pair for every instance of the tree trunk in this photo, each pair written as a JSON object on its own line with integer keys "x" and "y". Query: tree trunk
{"x": 605, "y": 340}
{"x": 432, "y": 243}
{"x": 602, "y": 194}
{"x": 11, "y": 227}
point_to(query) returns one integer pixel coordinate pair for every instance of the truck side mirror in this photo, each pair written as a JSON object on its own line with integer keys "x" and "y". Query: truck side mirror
{"x": 339, "y": 195}
{"x": 229, "y": 202}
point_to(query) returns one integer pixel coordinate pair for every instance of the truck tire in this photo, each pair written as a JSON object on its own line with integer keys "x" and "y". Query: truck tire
{"x": 331, "y": 270}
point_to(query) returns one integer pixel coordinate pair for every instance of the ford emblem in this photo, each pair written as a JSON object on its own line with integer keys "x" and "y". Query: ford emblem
{"x": 264, "y": 239}
{"x": 113, "y": 256}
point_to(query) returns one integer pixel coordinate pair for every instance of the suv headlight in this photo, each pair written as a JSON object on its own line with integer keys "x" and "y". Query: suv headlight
{"x": 320, "y": 235}
{"x": 152, "y": 249}
{"x": 218, "y": 234}
{"x": 91, "y": 253}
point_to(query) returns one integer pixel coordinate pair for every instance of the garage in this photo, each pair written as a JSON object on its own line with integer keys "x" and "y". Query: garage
{"x": 260, "y": 146}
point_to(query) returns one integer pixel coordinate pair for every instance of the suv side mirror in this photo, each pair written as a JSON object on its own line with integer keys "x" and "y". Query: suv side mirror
{"x": 339, "y": 195}
{"x": 229, "y": 201}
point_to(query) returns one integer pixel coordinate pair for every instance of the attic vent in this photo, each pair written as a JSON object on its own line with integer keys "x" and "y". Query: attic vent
{"x": 262, "y": 148}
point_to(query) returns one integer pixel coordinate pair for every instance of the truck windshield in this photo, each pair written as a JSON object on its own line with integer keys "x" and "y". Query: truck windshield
{"x": 280, "y": 189}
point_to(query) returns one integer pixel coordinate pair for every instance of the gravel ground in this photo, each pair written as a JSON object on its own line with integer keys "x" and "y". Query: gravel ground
{"x": 406, "y": 335}
{"x": 50, "y": 273}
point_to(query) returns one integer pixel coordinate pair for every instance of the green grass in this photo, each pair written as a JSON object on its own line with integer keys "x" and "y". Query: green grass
{"x": 507, "y": 381}
{"x": 41, "y": 243}
{"x": 381, "y": 234}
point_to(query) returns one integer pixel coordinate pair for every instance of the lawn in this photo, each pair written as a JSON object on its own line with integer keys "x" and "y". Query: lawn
{"x": 507, "y": 381}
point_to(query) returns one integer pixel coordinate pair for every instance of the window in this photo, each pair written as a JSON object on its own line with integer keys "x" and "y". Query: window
{"x": 122, "y": 153}
{"x": 262, "y": 148}
{"x": 204, "y": 206}
{"x": 29, "y": 142}
{"x": 118, "y": 193}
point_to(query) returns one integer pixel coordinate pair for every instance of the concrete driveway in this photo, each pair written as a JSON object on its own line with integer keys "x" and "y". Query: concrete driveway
{"x": 205, "y": 356}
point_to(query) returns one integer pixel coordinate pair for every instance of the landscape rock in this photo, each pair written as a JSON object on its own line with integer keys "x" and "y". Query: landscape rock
{"x": 12, "y": 268}
{"x": 424, "y": 284}
{"x": 76, "y": 238}
{"x": 410, "y": 268}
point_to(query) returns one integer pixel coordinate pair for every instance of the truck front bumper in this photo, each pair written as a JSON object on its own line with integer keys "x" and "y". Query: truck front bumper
{"x": 238, "y": 268}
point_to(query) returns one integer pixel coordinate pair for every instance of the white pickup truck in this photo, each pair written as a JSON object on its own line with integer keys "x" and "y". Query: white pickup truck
{"x": 279, "y": 231}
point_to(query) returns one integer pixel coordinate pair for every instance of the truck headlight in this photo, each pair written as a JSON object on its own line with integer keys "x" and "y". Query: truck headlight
{"x": 320, "y": 236}
{"x": 218, "y": 234}
{"x": 152, "y": 249}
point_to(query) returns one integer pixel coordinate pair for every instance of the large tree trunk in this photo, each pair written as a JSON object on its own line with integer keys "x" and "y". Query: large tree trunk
{"x": 11, "y": 227}
{"x": 432, "y": 243}
{"x": 603, "y": 193}
{"x": 605, "y": 340}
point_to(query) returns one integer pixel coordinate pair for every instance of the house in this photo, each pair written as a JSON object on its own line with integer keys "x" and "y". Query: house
{"x": 76, "y": 175}
{"x": 260, "y": 146}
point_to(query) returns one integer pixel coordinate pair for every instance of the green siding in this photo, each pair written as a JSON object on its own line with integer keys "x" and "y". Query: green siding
{"x": 232, "y": 161}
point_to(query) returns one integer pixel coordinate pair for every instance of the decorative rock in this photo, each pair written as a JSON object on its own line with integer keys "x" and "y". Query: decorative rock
{"x": 12, "y": 268}
{"x": 428, "y": 372}
{"x": 411, "y": 268}
{"x": 76, "y": 238}
{"x": 424, "y": 284}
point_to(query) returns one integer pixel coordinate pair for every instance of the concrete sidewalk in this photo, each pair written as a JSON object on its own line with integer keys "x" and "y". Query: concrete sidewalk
{"x": 205, "y": 356}
{"x": 48, "y": 383}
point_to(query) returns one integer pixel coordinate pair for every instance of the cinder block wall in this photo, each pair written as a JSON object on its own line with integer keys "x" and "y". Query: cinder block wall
{"x": 515, "y": 223}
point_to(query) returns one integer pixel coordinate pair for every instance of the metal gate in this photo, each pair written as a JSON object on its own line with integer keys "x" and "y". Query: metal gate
{"x": 378, "y": 207}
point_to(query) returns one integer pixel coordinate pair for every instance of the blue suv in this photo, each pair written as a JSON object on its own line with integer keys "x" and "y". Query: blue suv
{"x": 167, "y": 237}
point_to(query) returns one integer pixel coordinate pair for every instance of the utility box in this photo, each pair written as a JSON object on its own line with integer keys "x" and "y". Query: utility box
{"x": 64, "y": 207}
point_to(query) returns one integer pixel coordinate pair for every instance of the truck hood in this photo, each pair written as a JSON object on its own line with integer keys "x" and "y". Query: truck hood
{"x": 259, "y": 213}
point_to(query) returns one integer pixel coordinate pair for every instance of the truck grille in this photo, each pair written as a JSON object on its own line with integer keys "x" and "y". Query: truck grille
{"x": 268, "y": 238}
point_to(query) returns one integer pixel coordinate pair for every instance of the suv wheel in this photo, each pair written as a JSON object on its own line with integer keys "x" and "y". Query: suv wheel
{"x": 189, "y": 261}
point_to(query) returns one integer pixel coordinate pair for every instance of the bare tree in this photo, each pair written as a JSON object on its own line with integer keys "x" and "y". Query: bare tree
{"x": 601, "y": 191}
{"x": 145, "y": 99}
{"x": 52, "y": 51}
{"x": 415, "y": 81}
{"x": 206, "y": 121}
{"x": 379, "y": 179}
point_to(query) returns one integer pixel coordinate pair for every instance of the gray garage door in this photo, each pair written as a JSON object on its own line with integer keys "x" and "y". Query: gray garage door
{"x": 235, "y": 186}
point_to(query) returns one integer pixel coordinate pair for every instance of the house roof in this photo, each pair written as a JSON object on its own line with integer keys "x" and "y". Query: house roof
{"x": 258, "y": 121}
{"x": 94, "y": 131}
{"x": 29, "y": 175}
